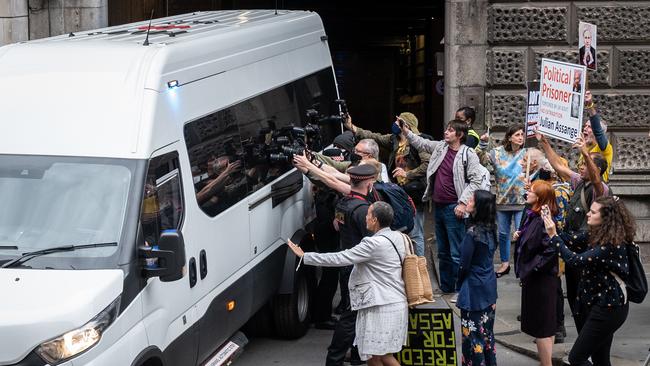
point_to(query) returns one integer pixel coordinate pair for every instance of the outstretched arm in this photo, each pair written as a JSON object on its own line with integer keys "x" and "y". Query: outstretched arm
{"x": 592, "y": 169}
{"x": 554, "y": 159}
{"x": 594, "y": 120}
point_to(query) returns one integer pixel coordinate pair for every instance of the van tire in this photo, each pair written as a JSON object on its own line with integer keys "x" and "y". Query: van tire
{"x": 291, "y": 313}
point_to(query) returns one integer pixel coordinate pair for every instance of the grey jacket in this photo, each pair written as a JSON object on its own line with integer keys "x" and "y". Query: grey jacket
{"x": 438, "y": 150}
{"x": 376, "y": 278}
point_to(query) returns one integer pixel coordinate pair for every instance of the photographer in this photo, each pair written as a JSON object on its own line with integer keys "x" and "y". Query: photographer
{"x": 407, "y": 165}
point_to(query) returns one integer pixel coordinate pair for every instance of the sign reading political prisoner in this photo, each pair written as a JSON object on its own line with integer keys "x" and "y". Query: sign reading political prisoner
{"x": 587, "y": 45}
{"x": 431, "y": 339}
{"x": 532, "y": 111}
{"x": 561, "y": 96}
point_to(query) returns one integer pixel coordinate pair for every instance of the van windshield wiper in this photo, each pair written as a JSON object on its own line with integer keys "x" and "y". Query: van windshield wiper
{"x": 64, "y": 248}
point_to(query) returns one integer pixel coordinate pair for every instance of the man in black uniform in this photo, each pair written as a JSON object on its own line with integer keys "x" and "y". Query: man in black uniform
{"x": 350, "y": 220}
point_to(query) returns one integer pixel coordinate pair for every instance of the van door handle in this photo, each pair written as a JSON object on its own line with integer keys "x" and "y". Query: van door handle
{"x": 203, "y": 264}
{"x": 192, "y": 272}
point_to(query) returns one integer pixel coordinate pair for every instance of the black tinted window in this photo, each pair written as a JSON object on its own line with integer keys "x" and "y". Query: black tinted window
{"x": 238, "y": 150}
{"x": 162, "y": 206}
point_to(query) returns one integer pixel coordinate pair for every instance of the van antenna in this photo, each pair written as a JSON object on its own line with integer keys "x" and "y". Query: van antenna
{"x": 146, "y": 40}
{"x": 276, "y": 7}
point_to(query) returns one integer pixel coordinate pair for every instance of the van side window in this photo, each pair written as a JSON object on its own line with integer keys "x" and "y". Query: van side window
{"x": 162, "y": 205}
{"x": 263, "y": 121}
{"x": 216, "y": 158}
{"x": 238, "y": 150}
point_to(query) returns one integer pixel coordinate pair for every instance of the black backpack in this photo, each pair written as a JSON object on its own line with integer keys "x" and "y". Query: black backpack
{"x": 636, "y": 283}
{"x": 583, "y": 196}
{"x": 402, "y": 205}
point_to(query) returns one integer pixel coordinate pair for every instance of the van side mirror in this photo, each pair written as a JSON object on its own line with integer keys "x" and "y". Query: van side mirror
{"x": 168, "y": 258}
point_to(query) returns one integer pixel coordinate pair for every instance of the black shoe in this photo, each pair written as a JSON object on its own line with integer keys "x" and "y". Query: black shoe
{"x": 349, "y": 360}
{"x": 327, "y": 325}
{"x": 503, "y": 273}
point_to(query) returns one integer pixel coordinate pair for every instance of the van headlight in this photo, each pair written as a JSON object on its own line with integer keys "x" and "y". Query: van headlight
{"x": 79, "y": 340}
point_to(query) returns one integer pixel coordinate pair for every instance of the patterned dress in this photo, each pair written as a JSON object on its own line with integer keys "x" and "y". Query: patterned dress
{"x": 478, "y": 338}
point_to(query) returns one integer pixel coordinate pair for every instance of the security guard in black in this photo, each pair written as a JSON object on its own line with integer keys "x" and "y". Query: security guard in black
{"x": 350, "y": 218}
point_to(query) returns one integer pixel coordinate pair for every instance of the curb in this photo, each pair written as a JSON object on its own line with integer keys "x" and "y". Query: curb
{"x": 557, "y": 361}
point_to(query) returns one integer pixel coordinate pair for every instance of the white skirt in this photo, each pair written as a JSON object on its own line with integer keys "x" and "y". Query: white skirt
{"x": 381, "y": 329}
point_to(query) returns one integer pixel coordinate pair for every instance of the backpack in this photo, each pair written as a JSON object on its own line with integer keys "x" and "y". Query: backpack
{"x": 636, "y": 285}
{"x": 485, "y": 174}
{"x": 402, "y": 204}
{"x": 576, "y": 217}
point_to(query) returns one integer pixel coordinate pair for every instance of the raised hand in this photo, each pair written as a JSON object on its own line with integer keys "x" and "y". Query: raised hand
{"x": 551, "y": 230}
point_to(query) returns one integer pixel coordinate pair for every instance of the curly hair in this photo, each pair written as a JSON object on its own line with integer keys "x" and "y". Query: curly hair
{"x": 618, "y": 225}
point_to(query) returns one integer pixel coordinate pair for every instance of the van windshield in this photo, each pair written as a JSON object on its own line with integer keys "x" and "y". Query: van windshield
{"x": 51, "y": 201}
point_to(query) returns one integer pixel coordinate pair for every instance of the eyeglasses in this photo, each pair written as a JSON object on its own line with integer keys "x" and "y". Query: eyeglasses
{"x": 359, "y": 152}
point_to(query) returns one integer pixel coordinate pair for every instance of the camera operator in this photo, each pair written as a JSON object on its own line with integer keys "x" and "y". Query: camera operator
{"x": 407, "y": 164}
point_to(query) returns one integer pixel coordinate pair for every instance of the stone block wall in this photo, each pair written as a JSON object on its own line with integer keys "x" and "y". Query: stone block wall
{"x": 21, "y": 20}
{"x": 517, "y": 34}
{"x": 13, "y": 21}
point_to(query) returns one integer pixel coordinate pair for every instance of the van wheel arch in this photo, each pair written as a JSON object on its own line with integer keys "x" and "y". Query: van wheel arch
{"x": 150, "y": 356}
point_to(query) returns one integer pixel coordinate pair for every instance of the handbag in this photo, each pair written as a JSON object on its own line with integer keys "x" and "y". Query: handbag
{"x": 635, "y": 287}
{"x": 417, "y": 283}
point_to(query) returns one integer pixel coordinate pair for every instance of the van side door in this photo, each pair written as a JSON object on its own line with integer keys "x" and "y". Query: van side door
{"x": 168, "y": 307}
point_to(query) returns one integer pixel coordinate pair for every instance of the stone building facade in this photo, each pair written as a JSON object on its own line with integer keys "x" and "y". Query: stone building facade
{"x": 493, "y": 48}
{"x": 21, "y": 20}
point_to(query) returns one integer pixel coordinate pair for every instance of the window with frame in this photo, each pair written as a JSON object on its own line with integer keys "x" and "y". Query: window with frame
{"x": 236, "y": 151}
{"x": 162, "y": 205}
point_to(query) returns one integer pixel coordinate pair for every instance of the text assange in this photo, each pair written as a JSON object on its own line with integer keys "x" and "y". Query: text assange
{"x": 558, "y": 76}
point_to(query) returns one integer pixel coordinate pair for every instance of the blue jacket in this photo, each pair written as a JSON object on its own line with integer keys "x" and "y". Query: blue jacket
{"x": 478, "y": 283}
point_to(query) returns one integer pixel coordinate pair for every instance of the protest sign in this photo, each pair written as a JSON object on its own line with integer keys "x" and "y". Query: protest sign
{"x": 587, "y": 45}
{"x": 532, "y": 111}
{"x": 431, "y": 339}
{"x": 561, "y": 97}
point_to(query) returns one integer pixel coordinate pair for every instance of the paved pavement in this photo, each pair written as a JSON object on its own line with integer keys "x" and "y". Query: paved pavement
{"x": 311, "y": 349}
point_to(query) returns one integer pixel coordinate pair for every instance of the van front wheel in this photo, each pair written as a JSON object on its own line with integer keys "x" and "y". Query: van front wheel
{"x": 291, "y": 311}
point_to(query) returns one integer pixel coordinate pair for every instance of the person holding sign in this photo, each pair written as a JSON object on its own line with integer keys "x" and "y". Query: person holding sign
{"x": 536, "y": 266}
{"x": 595, "y": 135}
{"x": 377, "y": 291}
{"x": 508, "y": 175}
{"x": 600, "y": 255}
{"x": 478, "y": 284}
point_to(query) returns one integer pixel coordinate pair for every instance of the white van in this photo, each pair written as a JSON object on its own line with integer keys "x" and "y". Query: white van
{"x": 147, "y": 189}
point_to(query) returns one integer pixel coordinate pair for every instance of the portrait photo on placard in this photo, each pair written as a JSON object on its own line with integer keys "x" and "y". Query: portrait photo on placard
{"x": 587, "y": 45}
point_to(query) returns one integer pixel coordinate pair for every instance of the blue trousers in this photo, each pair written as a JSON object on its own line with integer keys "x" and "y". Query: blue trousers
{"x": 417, "y": 234}
{"x": 449, "y": 234}
{"x": 504, "y": 224}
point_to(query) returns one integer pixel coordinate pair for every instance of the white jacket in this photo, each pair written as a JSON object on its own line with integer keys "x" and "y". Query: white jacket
{"x": 376, "y": 278}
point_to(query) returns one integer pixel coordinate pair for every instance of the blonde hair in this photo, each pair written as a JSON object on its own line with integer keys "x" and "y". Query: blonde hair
{"x": 374, "y": 162}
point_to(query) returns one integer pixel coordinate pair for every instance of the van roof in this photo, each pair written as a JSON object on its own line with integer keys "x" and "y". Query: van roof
{"x": 182, "y": 28}
{"x": 92, "y": 93}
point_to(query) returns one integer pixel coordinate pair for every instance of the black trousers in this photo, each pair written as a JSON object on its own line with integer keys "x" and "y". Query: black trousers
{"x": 596, "y": 326}
{"x": 559, "y": 311}
{"x": 345, "y": 330}
{"x": 572, "y": 276}
{"x": 328, "y": 242}
{"x": 325, "y": 292}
